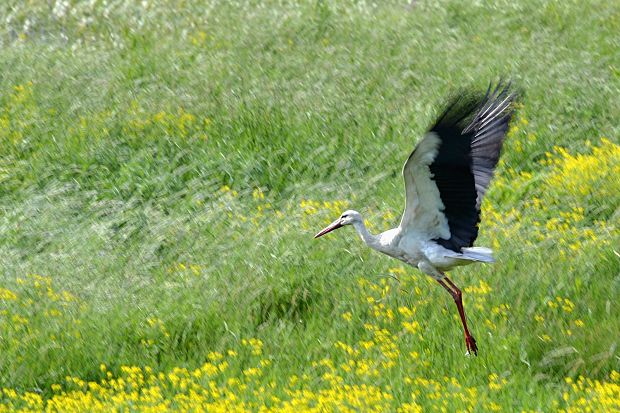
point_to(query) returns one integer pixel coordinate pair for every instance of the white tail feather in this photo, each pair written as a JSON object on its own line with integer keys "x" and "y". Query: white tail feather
{"x": 478, "y": 254}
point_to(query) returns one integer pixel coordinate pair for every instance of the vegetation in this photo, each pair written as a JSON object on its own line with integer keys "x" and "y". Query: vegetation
{"x": 164, "y": 166}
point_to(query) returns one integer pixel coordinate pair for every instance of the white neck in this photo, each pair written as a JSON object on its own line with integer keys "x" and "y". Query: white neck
{"x": 371, "y": 240}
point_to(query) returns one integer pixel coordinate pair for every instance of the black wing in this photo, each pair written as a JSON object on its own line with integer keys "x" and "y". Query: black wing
{"x": 459, "y": 155}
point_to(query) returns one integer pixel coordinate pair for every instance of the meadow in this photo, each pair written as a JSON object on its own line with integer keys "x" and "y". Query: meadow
{"x": 165, "y": 165}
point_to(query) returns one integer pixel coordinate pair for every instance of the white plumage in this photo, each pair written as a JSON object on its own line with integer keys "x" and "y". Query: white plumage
{"x": 446, "y": 177}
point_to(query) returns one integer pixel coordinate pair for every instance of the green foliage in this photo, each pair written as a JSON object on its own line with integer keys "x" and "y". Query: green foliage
{"x": 164, "y": 165}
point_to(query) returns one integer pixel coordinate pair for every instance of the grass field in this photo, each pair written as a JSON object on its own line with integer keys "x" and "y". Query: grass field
{"x": 164, "y": 166}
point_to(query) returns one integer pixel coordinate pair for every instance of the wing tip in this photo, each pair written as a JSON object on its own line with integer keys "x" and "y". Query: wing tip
{"x": 500, "y": 102}
{"x": 467, "y": 107}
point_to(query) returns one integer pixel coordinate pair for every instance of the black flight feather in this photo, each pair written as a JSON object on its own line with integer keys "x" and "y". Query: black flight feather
{"x": 471, "y": 132}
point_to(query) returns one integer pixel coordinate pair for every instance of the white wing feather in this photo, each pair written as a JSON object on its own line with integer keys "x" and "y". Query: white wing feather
{"x": 423, "y": 214}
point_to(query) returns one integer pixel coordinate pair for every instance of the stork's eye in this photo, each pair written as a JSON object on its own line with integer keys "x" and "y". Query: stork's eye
{"x": 344, "y": 216}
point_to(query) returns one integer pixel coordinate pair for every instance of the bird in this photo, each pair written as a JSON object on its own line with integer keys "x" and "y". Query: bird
{"x": 446, "y": 177}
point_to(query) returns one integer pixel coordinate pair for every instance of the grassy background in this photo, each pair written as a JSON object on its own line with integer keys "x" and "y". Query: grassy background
{"x": 163, "y": 168}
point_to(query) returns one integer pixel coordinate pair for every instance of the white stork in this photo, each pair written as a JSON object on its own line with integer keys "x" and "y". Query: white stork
{"x": 446, "y": 177}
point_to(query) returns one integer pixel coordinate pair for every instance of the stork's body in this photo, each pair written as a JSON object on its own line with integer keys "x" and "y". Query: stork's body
{"x": 417, "y": 251}
{"x": 446, "y": 177}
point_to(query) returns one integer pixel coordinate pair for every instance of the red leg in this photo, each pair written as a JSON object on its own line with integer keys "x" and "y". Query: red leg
{"x": 456, "y": 293}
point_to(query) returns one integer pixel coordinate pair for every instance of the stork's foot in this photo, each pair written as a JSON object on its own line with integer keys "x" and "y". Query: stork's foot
{"x": 470, "y": 342}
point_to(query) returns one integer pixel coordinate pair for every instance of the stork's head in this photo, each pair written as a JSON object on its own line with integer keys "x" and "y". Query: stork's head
{"x": 347, "y": 218}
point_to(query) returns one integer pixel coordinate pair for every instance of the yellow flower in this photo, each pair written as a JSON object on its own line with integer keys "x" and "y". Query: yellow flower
{"x": 7, "y": 295}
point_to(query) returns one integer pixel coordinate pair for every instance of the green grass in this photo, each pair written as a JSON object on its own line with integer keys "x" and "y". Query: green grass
{"x": 133, "y": 139}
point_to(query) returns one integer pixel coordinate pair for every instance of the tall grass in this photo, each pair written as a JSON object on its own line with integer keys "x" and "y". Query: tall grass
{"x": 163, "y": 167}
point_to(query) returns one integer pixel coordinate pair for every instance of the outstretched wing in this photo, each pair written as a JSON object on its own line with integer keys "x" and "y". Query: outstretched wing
{"x": 448, "y": 173}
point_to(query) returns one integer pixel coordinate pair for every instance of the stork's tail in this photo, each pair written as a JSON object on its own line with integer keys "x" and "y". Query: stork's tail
{"x": 481, "y": 254}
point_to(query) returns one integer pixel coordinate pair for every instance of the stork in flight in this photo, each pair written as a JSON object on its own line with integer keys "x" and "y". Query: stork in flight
{"x": 446, "y": 177}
